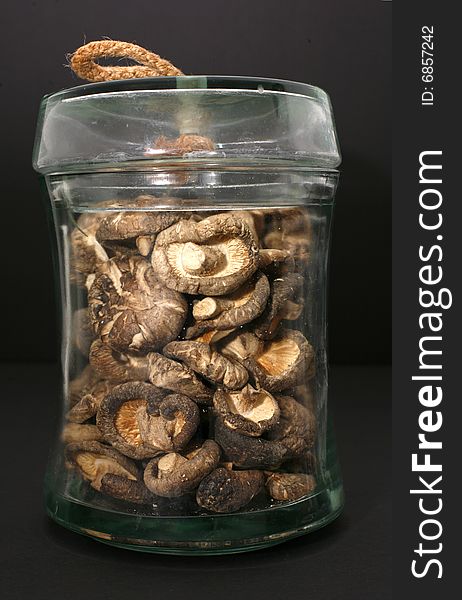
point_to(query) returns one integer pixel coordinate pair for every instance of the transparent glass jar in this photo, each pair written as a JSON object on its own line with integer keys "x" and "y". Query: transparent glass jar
{"x": 191, "y": 218}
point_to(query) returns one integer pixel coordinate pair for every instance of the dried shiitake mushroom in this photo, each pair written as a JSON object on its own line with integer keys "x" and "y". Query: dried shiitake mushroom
{"x": 122, "y": 488}
{"x": 248, "y": 452}
{"x": 129, "y": 225}
{"x": 95, "y": 460}
{"x": 231, "y": 311}
{"x": 213, "y": 257}
{"x": 177, "y": 377}
{"x": 86, "y": 252}
{"x": 140, "y": 422}
{"x": 171, "y": 424}
{"x": 284, "y": 303}
{"x": 276, "y": 364}
{"x": 117, "y": 366}
{"x": 88, "y": 405}
{"x": 131, "y": 310}
{"x": 247, "y": 411}
{"x": 296, "y": 428}
{"x": 174, "y": 475}
{"x": 227, "y": 491}
{"x": 255, "y": 220}
{"x": 289, "y": 486}
{"x": 203, "y": 359}
{"x": 241, "y": 346}
{"x": 75, "y": 432}
{"x": 291, "y": 230}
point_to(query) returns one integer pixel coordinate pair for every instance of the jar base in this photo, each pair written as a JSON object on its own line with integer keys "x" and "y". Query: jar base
{"x": 200, "y": 535}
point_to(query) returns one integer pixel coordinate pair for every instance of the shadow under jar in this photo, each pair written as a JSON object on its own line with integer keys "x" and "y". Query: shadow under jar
{"x": 191, "y": 219}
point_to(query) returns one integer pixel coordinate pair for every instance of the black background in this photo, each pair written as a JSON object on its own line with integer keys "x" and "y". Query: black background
{"x": 342, "y": 46}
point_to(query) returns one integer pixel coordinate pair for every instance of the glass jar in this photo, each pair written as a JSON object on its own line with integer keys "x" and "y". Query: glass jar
{"x": 191, "y": 218}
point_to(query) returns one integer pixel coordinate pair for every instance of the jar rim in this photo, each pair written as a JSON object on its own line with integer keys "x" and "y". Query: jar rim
{"x": 189, "y": 82}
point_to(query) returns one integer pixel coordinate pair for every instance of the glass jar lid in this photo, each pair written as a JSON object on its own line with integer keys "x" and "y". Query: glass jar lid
{"x": 250, "y": 121}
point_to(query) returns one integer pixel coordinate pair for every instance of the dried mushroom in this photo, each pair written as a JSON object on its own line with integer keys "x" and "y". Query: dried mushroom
{"x": 140, "y": 423}
{"x": 129, "y": 225}
{"x": 255, "y": 220}
{"x": 95, "y": 460}
{"x": 119, "y": 414}
{"x": 174, "y": 475}
{"x": 227, "y": 491}
{"x": 242, "y": 347}
{"x": 248, "y": 411}
{"x": 234, "y": 310}
{"x": 276, "y": 364}
{"x": 291, "y": 231}
{"x": 213, "y": 257}
{"x": 86, "y": 252}
{"x": 248, "y": 452}
{"x": 212, "y": 365}
{"x": 116, "y": 366}
{"x": 285, "y": 303}
{"x": 296, "y": 428}
{"x": 122, "y": 488}
{"x": 131, "y": 310}
{"x": 169, "y": 425}
{"x": 75, "y": 432}
{"x": 289, "y": 486}
{"x": 171, "y": 375}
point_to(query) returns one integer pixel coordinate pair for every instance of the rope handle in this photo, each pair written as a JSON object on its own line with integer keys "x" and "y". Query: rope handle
{"x": 83, "y": 62}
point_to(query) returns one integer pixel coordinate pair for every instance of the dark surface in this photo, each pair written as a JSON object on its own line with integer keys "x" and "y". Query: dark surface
{"x": 344, "y": 47}
{"x": 348, "y": 560}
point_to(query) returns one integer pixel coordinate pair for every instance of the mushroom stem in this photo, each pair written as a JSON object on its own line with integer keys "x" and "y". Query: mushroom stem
{"x": 211, "y": 307}
{"x": 200, "y": 260}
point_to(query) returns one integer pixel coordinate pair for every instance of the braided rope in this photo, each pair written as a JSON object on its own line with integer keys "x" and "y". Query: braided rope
{"x": 83, "y": 62}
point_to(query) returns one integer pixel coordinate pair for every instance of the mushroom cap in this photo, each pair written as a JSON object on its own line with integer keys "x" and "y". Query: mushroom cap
{"x": 174, "y": 475}
{"x": 122, "y": 488}
{"x": 116, "y": 366}
{"x": 126, "y": 225}
{"x": 94, "y": 460}
{"x": 241, "y": 307}
{"x": 291, "y": 230}
{"x": 248, "y": 452}
{"x": 282, "y": 362}
{"x": 284, "y": 303}
{"x": 296, "y": 428}
{"x": 225, "y": 491}
{"x": 212, "y": 365}
{"x": 170, "y": 425}
{"x": 247, "y": 411}
{"x": 88, "y": 397}
{"x": 290, "y": 486}
{"x": 213, "y": 257}
{"x": 242, "y": 347}
{"x": 131, "y": 310}
{"x": 177, "y": 377}
{"x": 117, "y": 417}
